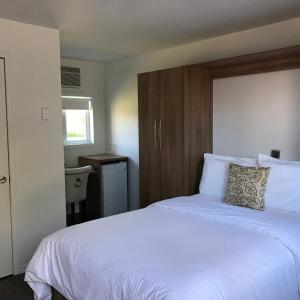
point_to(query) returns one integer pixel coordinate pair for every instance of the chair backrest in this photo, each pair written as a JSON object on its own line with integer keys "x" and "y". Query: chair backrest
{"x": 76, "y": 183}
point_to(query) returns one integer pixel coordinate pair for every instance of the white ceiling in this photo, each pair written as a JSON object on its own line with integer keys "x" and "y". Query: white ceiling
{"x": 111, "y": 29}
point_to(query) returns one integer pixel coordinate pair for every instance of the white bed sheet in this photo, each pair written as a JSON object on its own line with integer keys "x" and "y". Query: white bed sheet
{"x": 184, "y": 248}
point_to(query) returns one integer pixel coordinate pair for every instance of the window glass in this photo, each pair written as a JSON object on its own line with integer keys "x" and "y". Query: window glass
{"x": 76, "y": 125}
{"x": 78, "y": 120}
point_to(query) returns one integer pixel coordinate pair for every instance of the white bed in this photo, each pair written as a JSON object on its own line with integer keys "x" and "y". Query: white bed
{"x": 184, "y": 248}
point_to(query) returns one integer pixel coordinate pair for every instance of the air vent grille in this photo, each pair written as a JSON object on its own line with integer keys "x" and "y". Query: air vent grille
{"x": 70, "y": 77}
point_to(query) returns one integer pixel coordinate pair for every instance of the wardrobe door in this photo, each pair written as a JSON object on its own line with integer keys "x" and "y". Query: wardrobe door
{"x": 171, "y": 133}
{"x": 149, "y": 160}
{"x": 198, "y": 117}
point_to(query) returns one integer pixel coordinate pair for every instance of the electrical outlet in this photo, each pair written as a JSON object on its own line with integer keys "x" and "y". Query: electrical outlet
{"x": 275, "y": 153}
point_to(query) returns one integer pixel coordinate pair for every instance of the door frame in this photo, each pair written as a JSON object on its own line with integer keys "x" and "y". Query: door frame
{"x": 7, "y": 57}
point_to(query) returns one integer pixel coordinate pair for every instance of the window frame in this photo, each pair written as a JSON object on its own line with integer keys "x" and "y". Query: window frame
{"x": 90, "y": 140}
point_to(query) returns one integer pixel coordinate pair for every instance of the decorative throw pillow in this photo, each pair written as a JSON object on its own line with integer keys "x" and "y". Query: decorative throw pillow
{"x": 246, "y": 186}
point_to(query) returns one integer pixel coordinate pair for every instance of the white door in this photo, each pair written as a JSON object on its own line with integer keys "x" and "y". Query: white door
{"x": 5, "y": 220}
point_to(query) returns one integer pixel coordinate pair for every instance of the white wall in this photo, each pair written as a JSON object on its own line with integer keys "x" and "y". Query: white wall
{"x": 257, "y": 113}
{"x": 36, "y": 147}
{"x": 122, "y": 79}
{"x": 92, "y": 85}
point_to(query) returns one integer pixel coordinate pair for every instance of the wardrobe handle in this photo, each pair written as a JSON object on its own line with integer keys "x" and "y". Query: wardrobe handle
{"x": 155, "y": 139}
{"x": 160, "y": 135}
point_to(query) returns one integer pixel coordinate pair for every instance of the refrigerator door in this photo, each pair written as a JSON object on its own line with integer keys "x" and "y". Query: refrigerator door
{"x": 114, "y": 189}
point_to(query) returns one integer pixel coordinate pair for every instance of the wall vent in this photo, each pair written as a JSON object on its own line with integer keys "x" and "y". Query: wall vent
{"x": 70, "y": 77}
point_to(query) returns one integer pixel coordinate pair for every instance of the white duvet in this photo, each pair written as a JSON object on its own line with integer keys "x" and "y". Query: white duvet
{"x": 183, "y": 248}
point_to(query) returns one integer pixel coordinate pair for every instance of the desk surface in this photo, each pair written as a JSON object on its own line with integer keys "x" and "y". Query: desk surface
{"x": 100, "y": 159}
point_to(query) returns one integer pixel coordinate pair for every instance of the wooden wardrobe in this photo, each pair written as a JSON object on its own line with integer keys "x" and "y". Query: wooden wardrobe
{"x": 175, "y": 130}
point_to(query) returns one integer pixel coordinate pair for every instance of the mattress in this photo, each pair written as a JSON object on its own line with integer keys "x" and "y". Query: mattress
{"x": 193, "y": 247}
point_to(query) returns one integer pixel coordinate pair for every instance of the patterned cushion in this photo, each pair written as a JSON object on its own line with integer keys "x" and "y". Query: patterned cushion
{"x": 246, "y": 186}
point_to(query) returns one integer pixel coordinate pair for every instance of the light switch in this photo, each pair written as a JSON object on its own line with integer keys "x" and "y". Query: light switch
{"x": 45, "y": 113}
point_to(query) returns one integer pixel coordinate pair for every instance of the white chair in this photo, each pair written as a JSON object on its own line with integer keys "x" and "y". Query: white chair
{"x": 76, "y": 183}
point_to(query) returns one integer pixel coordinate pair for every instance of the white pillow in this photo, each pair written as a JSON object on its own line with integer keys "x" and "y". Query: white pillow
{"x": 215, "y": 173}
{"x": 265, "y": 158}
{"x": 283, "y": 186}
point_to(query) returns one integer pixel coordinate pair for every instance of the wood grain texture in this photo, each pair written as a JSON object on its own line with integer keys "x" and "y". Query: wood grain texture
{"x": 198, "y": 123}
{"x": 97, "y": 160}
{"x": 172, "y": 133}
{"x": 267, "y": 61}
{"x": 149, "y": 154}
{"x": 180, "y": 98}
{"x": 184, "y": 144}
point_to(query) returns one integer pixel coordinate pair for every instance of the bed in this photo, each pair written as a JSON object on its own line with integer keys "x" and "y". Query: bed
{"x": 192, "y": 247}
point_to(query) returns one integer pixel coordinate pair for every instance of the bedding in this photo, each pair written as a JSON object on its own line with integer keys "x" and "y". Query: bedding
{"x": 283, "y": 187}
{"x": 266, "y": 158}
{"x": 217, "y": 166}
{"x": 193, "y": 247}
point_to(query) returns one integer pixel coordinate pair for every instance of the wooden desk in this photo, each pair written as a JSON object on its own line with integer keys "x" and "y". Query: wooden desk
{"x": 94, "y": 195}
{"x": 96, "y": 161}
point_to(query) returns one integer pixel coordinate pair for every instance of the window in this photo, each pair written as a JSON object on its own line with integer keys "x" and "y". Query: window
{"x": 78, "y": 120}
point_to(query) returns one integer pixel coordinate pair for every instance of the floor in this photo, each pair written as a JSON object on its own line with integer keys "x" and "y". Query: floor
{"x": 15, "y": 288}
{"x": 77, "y": 218}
